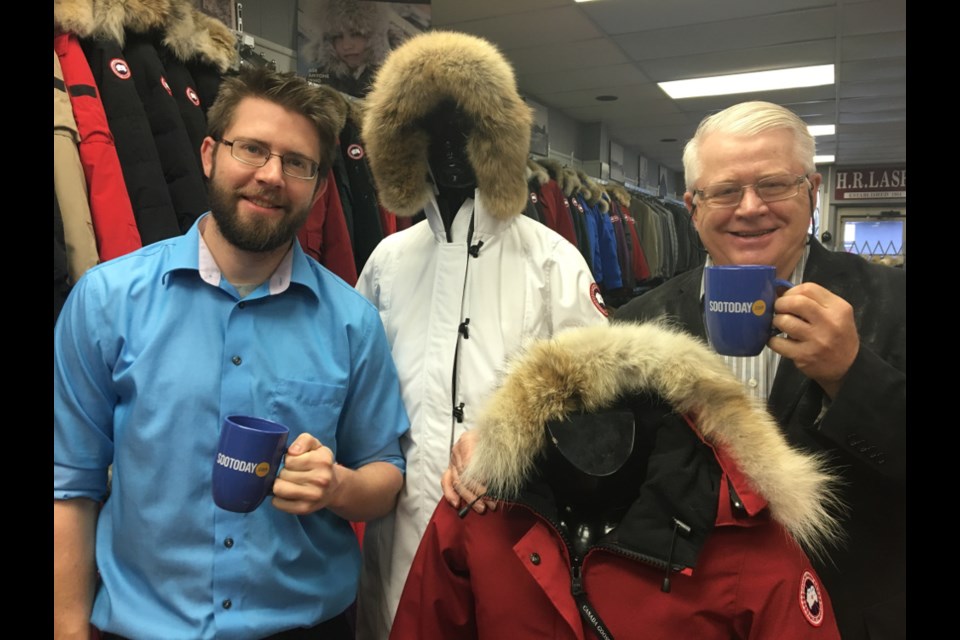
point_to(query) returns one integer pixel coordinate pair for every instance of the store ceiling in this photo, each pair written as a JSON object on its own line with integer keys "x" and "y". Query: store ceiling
{"x": 566, "y": 54}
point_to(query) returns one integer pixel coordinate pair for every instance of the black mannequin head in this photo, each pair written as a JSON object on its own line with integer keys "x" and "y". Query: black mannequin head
{"x": 449, "y": 129}
{"x": 596, "y": 462}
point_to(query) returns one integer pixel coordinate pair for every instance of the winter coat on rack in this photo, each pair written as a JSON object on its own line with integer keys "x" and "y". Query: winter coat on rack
{"x": 639, "y": 265}
{"x": 100, "y": 29}
{"x": 110, "y": 210}
{"x": 552, "y": 198}
{"x": 624, "y": 257}
{"x": 324, "y": 235}
{"x": 69, "y": 184}
{"x": 704, "y": 547}
{"x": 570, "y": 184}
{"x": 208, "y": 55}
{"x": 455, "y": 302}
{"x": 184, "y": 178}
{"x": 606, "y": 269}
{"x": 649, "y": 228}
{"x": 368, "y": 230}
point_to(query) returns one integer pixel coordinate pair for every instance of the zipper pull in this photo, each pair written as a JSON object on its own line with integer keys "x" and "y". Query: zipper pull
{"x": 576, "y": 579}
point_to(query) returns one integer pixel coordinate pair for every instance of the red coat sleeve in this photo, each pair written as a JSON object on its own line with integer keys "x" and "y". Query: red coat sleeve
{"x": 779, "y": 594}
{"x": 564, "y": 218}
{"x": 110, "y": 210}
{"x": 437, "y": 601}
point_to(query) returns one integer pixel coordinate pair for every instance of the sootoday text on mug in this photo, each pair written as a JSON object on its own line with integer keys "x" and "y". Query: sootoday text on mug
{"x": 738, "y": 307}
{"x": 246, "y": 463}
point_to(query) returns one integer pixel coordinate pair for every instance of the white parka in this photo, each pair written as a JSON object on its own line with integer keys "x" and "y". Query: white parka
{"x": 454, "y": 310}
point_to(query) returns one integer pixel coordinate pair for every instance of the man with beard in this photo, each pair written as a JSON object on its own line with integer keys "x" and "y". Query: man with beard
{"x": 154, "y": 349}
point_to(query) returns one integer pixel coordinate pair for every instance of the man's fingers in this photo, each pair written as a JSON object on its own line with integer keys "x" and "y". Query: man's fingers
{"x": 447, "y": 482}
{"x": 304, "y": 442}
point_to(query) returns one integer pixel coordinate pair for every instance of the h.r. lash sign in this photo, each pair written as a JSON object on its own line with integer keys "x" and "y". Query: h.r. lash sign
{"x": 871, "y": 183}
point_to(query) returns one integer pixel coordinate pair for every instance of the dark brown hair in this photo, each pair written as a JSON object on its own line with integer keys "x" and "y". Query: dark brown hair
{"x": 323, "y": 106}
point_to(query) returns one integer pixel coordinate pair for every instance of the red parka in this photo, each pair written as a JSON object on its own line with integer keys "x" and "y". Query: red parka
{"x": 735, "y": 569}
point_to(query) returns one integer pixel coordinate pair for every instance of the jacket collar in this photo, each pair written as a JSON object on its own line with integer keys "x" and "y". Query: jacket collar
{"x": 472, "y": 223}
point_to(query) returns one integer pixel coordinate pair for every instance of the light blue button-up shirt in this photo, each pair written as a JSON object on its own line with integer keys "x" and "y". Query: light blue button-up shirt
{"x": 152, "y": 351}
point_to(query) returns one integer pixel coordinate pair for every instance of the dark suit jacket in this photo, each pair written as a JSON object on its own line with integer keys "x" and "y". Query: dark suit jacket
{"x": 863, "y": 430}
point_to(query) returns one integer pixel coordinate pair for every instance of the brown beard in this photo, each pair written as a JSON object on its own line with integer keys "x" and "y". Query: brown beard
{"x": 257, "y": 236}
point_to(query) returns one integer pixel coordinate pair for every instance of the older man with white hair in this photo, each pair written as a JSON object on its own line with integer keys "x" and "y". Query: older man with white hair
{"x": 836, "y": 377}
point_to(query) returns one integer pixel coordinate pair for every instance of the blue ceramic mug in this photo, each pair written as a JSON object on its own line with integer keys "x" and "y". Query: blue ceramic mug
{"x": 247, "y": 460}
{"x": 738, "y": 307}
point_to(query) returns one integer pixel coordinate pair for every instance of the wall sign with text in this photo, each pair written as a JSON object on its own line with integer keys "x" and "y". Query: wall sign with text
{"x": 870, "y": 183}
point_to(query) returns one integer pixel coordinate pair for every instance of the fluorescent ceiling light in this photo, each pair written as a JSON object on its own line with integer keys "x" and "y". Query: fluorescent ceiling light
{"x": 750, "y": 82}
{"x": 822, "y": 129}
{"x": 824, "y": 159}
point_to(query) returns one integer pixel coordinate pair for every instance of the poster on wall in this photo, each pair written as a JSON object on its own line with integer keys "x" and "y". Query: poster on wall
{"x": 539, "y": 130}
{"x": 342, "y": 43}
{"x": 223, "y": 10}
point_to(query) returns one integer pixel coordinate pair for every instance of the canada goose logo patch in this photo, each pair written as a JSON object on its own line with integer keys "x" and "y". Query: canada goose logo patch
{"x": 811, "y": 602}
{"x": 120, "y": 68}
{"x": 598, "y": 299}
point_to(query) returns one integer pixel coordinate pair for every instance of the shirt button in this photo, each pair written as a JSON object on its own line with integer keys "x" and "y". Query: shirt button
{"x": 236, "y": 360}
{"x": 228, "y": 543}
{"x": 535, "y": 558}
{"x": 227, "y": 604}
{"x": 752, "y": 383}
{"x": 242, "y": 305}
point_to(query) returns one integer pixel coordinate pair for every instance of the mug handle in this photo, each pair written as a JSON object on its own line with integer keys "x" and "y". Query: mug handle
{"x": 780, "y": 282}
{"x": 786, "y": 284}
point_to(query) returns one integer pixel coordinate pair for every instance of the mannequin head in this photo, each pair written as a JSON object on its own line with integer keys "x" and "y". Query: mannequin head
{"x": 597, "y": 461}
{"x": 449, "y": 128}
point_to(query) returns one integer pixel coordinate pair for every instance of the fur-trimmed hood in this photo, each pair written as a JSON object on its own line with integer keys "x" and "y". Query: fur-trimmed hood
{"x": 591, "y": 368}
{"x": 108, "y": 19}
{"x": 535, "y": 170}
{"x": 571, "y": 181}
{"x": 426, "y": 70}
{"x": 188, "y": 32}
{"x": 620, "y": 194}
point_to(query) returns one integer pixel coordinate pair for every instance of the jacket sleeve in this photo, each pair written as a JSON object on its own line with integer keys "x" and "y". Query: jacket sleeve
{"x": 572, "y": 295}
{"x": 779, "y": 595}
{"x": 437, "y": 601}
{"x": 868, "y": 417}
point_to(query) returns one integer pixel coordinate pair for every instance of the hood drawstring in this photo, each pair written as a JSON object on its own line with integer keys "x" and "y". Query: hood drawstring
{"x": 678, "y": 527}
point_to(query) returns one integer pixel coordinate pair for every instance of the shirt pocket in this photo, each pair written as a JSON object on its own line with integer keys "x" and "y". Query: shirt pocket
{"x": 308, "y": 407}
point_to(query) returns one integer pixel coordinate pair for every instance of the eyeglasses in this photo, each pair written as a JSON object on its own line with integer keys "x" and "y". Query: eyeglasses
{"x": 770, "y": 189}
{"x": 257, "y": 154}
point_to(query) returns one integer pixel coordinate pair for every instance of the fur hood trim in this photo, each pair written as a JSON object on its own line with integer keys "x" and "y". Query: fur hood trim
{"x": 604, "y": 202}
{"x": 414, "y": 79}
{"x": 571, "y": 181}
{"x": 554, "y": 169}
{"x": 188, "y": 32}
{"x": 590, "y": 368}
{"x": 192, "y": 34}
{"x": 536, "y": 170}
{"x": 620, "y": 194}
{"x": 108, "y": 19}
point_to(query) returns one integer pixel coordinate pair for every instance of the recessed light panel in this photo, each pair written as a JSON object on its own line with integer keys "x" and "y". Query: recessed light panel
{"x": 750, "y": 82}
